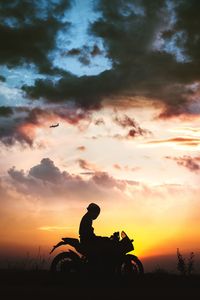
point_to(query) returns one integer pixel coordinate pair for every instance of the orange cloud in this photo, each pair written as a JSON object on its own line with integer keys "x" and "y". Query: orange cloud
{"x": 191, "y": 163}
{"x": 116, "y": 166}
{"x": 177, "y": 140}
{"x": 81, "y": 148}
{"x": 28, "y": 131}
{"x": 126, "y": 168}
{"x": 86, "y": 165}
{"x": 22, "y": 126}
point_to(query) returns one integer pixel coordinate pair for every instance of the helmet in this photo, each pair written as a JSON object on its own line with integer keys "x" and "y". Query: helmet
{"x": 92, "y": 207}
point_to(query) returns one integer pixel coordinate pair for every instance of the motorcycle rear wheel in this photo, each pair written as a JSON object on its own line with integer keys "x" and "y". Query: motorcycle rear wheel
{"x": 66, "y": 263}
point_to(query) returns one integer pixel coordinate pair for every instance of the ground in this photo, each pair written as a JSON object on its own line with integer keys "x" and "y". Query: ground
{"x": 43, "y": 285}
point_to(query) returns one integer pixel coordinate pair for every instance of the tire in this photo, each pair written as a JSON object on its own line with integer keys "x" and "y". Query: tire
{"x": 66, "y": 263}
{"x": 130, "y": 266}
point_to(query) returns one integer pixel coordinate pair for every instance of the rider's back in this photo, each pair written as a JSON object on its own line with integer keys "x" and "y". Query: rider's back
{"x": 86, "y": 231}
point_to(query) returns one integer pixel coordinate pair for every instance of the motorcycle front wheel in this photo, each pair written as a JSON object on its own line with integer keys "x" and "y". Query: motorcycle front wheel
{"x": 130, "y": 266}
{"x": 66, "y": 263}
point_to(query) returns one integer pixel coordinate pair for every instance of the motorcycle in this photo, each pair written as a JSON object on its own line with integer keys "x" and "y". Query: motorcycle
{"x": 77, "y": 261}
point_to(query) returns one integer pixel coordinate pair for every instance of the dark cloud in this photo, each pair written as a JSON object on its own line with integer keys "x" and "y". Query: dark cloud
{"x": 28, "y": 31}
{"x": 188, "y": 23}
{"x": 84, "y": 51}
{"x": 125, "y": 121}
{"x": 74, "y": 51}
{"x": 136, "y": 68}
{"x": 150, "y": 73}
{"x": 136, "y": 130}
{"x": 14, "y": 128}
{"x": 2, "y": 78}
{"x": 84, "y": 59}
{"x": 191, "y": 163}
{"x": 5, "y": 111}
{"x": 95, "y": 51}
{"x": 87, "y": 91}
{"x": 84, "y": 54}
{"x": 129, "y": 30}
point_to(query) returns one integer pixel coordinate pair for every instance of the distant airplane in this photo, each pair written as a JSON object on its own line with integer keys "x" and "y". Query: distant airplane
{"x": 55, "y": 125}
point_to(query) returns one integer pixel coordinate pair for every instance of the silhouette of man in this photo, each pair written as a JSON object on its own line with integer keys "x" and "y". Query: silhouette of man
{"x": 91, "y": 243}
{"x": 86, "y": 231}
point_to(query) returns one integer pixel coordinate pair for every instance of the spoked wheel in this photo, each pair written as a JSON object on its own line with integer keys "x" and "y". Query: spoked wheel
{"x": 130, "y": 266}
{"x": 66, "y": 263}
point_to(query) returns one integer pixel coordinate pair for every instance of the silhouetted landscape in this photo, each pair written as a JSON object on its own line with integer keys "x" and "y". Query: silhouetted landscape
{"x": 43, "y": 284}
{"x": 30, "y": 279}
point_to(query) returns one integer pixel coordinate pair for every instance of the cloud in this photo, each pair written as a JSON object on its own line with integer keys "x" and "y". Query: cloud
{"x": 47, "y": 182}
{"x": 137, "y": 132}
{"x": 134, "y": 128}
{"x": 86, "y": 165}
{"x": 86, "y": 54}
{"x": 74, "y": 51}
{"x": 20, "y": 124}
{"x": 183, "y": 141}
{"x": 125, "y": 168}
{"x": 117, "y": 166}
{"x": 126, "y": 121}
{"x": 95, "y": 51}
{"x": 84, "y": 51}
{"x": 5, "y": 111}
{"x": 99, "y": 121}
{"x": 47, "y": 171}
{"x": 107, "y": 181}
{"x": 84, "y": 59}
{"x": 15, "y": 128}
{"x": 44, "y": 180}
{"x": 129, "y": 31}
{"x": 190, "y": 129}
{"x": 132, "y": 133}
{"x": 28, "y": 31}
{"x": 55, "y": 228}
{"x": 81, "y": 148}
{"x": 87, "y": 173}
{"x": 25, "y": 121}
{"x": 2, "y": 78}
{"x": 191, "y": 163}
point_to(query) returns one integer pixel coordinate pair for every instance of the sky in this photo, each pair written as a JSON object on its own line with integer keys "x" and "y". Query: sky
{"x": 122, "y": 80}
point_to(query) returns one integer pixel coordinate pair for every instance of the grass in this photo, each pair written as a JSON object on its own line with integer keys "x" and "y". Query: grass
{"x": 29, "y": 262}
